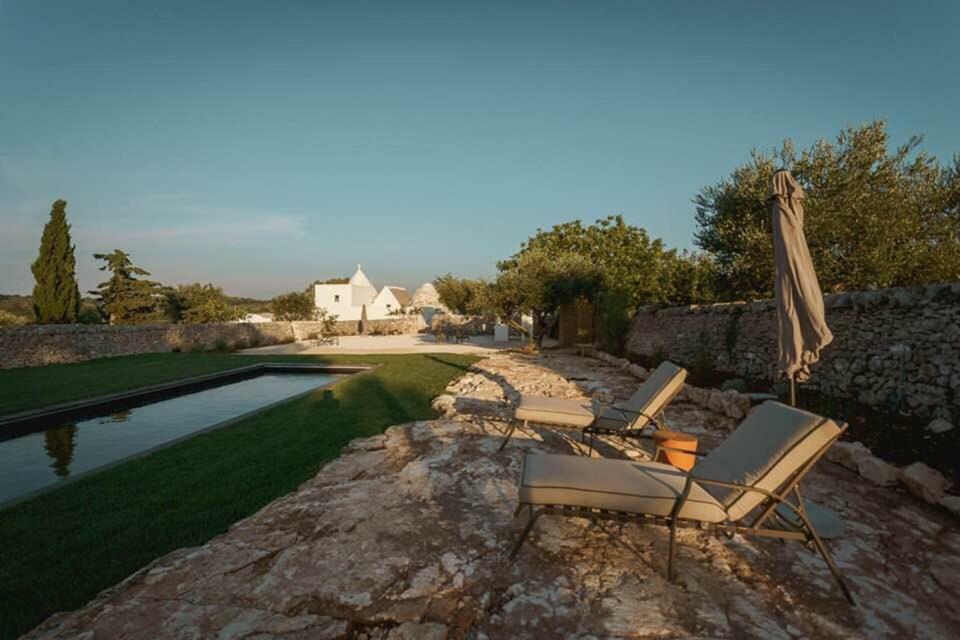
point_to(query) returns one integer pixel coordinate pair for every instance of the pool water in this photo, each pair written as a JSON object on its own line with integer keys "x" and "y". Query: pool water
{"x": 44, "y": 458}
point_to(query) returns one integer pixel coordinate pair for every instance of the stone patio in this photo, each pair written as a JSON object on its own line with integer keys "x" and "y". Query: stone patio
{"x": 406, "y": 536}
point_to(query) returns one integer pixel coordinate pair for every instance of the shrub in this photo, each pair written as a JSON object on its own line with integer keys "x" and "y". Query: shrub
{"x": 222, "y": 346}
{"x": 703, "y": 362}
{"x": 8, "y": 319}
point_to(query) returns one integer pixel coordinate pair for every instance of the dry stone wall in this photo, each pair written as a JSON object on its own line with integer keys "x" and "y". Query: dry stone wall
{"x": 33, "y": 345}
{"x": 903, "y": 340}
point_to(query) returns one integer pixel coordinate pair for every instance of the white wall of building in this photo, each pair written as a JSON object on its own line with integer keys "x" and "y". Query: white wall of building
{"x": 346, "y": 300}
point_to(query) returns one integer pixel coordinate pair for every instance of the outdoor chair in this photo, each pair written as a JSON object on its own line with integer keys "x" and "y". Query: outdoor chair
{"x": 737, "y": 488}
{"x": 624, "y": 420}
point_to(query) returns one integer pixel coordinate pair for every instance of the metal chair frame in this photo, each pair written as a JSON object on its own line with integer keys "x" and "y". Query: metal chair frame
{"x": 791, "y": 486}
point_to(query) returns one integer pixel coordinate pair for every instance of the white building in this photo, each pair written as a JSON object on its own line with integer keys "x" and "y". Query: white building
{"x": 346, "y": 301}
{"x": 257, "y": 318}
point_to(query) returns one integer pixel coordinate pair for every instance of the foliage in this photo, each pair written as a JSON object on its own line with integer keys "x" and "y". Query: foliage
{"x": 463, "y": 295}
{"x": 199, "y": 303}
{"x": 333, "y": 281}
{"x": 249, "y": 305}
{"x": 689, "y": 278}
{"x": 89, "y": 312}
{"x": 8, "y": 319}
{"x": 731, "y": 335}
{"x": 872, "y": 217}
{"x": 327, "y": 320}
{"x": 615, "y": 315}
{"x": 56, "y": 296}
{"x": 538, "y": 281}
{"x": 124, "y": 298}
{"x": 296, "y": 305}
{"x": 17, "y": 305}
{"x": 626, "y": 258}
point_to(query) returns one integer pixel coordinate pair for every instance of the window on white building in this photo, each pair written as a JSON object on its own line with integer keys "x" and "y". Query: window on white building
{"x": 336, "y": 298}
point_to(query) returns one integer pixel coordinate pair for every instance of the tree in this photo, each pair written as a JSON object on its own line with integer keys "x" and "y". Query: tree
{"x": 462, "y": 295}
{"x": 124, "y": 298}
{"x": 56, "y": 296}
{"x": 537, "y": 281}
{"x": 625, "y": 256}
{"x": 296, "y": 305}
{"x": 200, "y": 303}
{"x": 872, "y": 217}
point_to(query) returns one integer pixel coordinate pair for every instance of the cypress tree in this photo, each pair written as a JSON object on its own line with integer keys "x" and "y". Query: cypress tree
{"x": 56, "y": 296}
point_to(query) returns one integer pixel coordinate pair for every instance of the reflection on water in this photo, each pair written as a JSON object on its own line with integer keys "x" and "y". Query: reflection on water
{"x": 36, "y": 460}
{"x": 59, "y": 443}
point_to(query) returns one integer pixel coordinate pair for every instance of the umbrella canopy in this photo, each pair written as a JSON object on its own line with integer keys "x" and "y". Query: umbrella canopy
{"x": 803, "y": 330}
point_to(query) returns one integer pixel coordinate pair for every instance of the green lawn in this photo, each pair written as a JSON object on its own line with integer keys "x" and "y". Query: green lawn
{"x": 60, "y": 549}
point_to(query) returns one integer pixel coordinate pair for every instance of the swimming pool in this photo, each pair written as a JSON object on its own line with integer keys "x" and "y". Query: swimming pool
{"x": 57, "y": 449}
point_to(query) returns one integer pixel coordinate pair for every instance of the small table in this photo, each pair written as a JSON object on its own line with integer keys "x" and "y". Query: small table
{"x": 670, "y": 446}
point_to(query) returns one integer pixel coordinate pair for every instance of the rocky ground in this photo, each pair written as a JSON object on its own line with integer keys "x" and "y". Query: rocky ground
{"x": 406, "y": 536}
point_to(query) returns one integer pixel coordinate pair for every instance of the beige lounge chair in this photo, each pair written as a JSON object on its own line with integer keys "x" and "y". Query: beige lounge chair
{"x": 625, "y": 420}
{"x": 755, "y": 471}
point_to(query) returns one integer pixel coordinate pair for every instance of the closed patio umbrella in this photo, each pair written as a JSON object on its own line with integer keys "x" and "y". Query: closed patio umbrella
{"x": 364, "y": 323}
{"x": 802, "y": 326}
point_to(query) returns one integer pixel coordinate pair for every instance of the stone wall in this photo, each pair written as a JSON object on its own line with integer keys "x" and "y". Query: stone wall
{"x": 33, "y": 345}
{"x": 903, "y": 340}
{"x": 399, "y": 325}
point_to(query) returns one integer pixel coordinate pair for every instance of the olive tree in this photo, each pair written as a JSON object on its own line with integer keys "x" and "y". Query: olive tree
{"x": 873, "y": 217}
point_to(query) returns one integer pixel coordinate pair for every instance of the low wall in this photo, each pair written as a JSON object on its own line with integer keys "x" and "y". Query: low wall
{"x": 471, "y": 325}
{"x": 398, "y": 325}
{"x": 903, "y": 340}
{"x": 33, "y": 345}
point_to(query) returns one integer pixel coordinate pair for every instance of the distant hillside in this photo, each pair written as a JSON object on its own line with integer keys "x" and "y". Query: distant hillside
{"x": 249, "y": 305}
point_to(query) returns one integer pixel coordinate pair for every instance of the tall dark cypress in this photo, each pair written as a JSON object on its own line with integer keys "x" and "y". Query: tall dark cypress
{"x": 56, "y": 296}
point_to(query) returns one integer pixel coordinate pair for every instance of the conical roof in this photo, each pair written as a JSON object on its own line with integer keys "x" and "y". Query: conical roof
{"x": 360, "y": 279}
{"x": 427, "y": 296}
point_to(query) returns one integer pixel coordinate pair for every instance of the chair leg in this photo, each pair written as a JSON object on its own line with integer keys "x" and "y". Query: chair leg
{"x": 506, "y": 438}
{"x": 534, "y": 515}
{"x": 671, "y": 555}
{"x": 826, "y": 555}
{"x": 584, "y": 435}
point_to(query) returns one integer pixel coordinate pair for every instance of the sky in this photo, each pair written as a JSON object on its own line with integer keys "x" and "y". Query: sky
{"x": 263, "y": 145}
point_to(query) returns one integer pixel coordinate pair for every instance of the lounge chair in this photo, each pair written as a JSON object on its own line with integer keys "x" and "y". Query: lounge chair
{"x": 755, "y": 471}
{"x": 626, "y": 420}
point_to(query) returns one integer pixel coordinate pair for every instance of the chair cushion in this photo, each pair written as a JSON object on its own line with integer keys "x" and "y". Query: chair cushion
{"x": 619, "y": 485}
{"x": 655, "y": 393}
{"x": 768, "y": 447}
{"x": 564, "y": 411}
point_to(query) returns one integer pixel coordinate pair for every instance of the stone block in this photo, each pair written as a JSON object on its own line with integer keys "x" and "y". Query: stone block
{"x": 924, "y": 482}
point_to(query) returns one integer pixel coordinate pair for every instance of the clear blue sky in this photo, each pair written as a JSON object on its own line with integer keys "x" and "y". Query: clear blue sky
{"x": 261, "y": 145}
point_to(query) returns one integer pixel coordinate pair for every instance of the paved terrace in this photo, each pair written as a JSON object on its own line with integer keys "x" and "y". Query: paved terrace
{"x": 406, "y": 536}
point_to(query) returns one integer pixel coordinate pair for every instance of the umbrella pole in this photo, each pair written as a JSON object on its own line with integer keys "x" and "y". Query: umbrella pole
{"x": 793, "y": 390}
